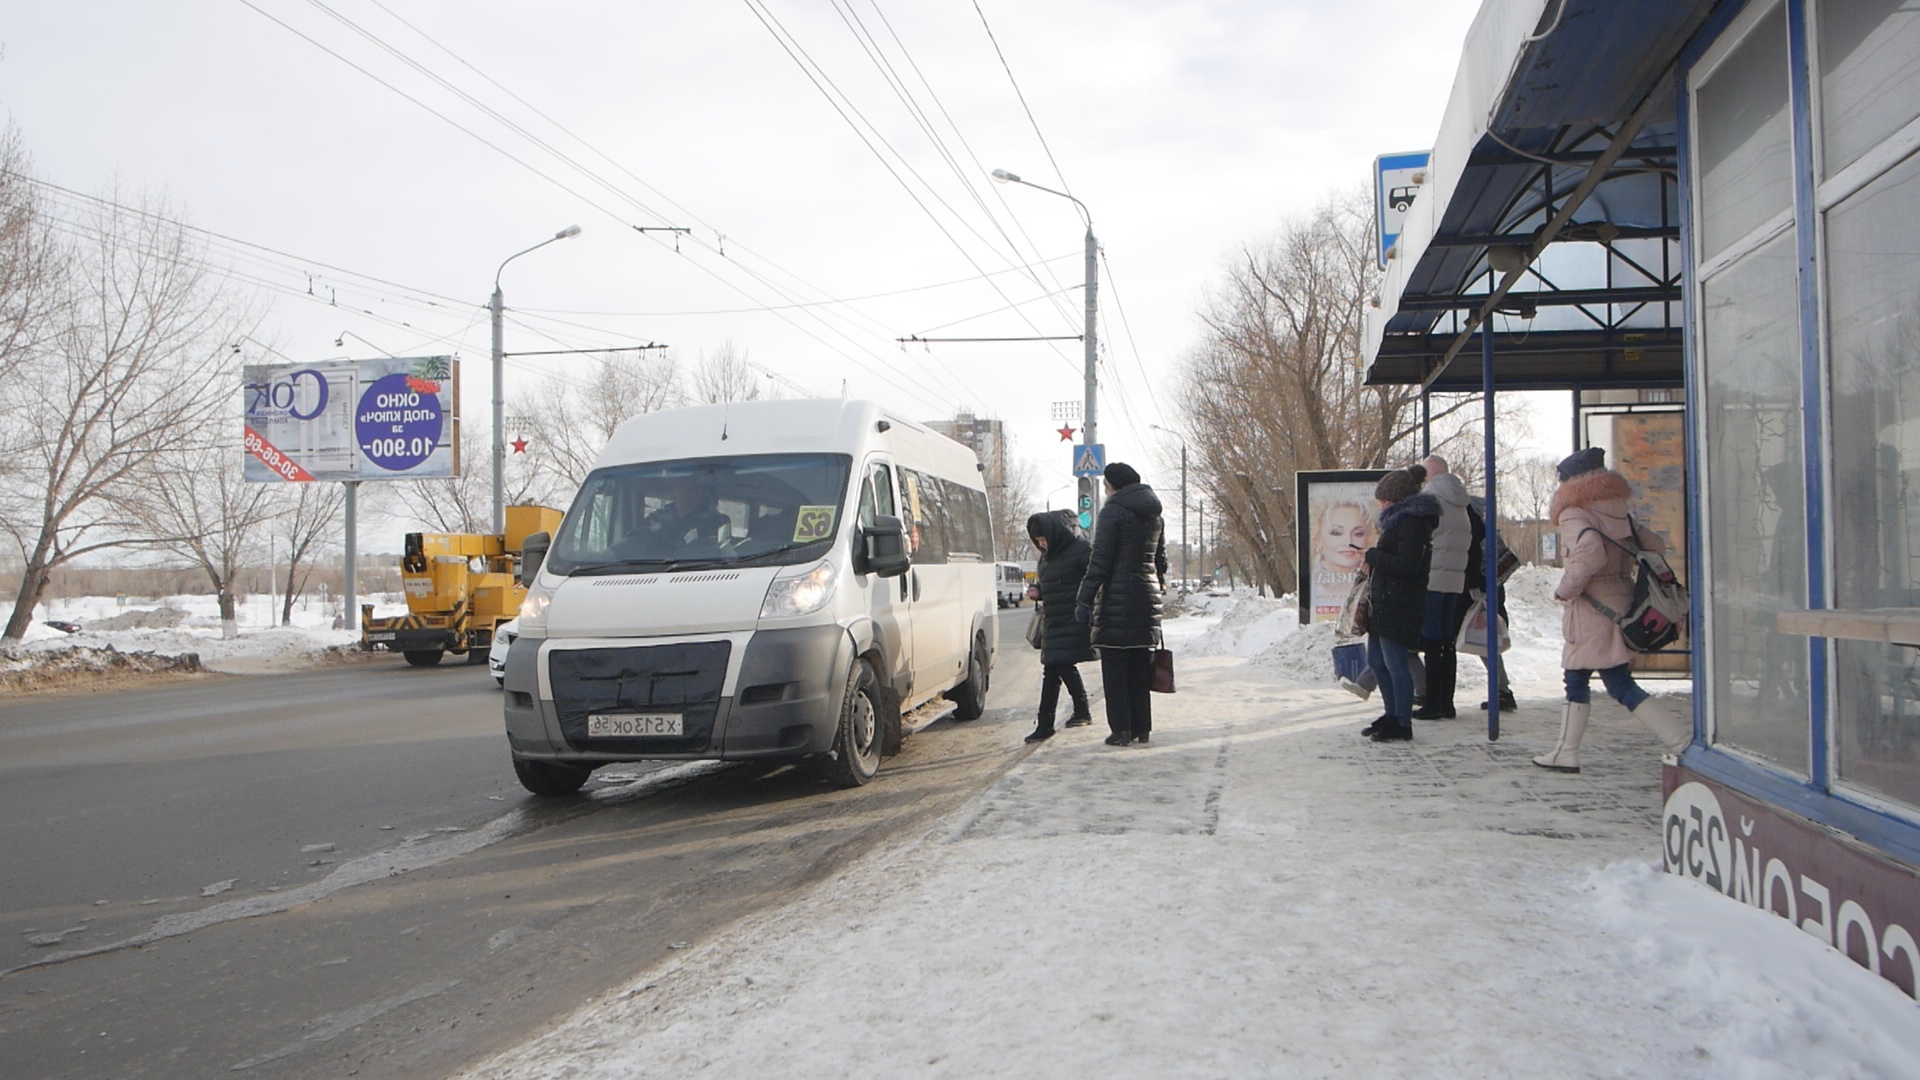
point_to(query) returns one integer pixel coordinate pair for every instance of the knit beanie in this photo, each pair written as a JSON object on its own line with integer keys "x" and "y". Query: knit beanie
{"x": 1582, "y": 461}
{"x": 1120, "y": 474}
{"x": 1395, "y": 486}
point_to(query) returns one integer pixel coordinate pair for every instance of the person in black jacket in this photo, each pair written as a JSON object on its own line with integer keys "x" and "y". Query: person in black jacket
{"x": 1397, "y": 596}
{"x": 1063, "y": 562}
{"x": 1121, "y": 598}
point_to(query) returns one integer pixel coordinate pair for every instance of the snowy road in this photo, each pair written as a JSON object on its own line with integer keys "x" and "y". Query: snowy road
{"x": 335, "y": 872}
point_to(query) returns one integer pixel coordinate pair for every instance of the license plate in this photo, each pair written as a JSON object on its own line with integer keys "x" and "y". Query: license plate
{"x": 379, "y": 637}
{"x": 632, "y": 725}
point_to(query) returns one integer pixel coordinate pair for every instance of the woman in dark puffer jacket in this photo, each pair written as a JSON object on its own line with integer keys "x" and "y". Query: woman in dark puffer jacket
{"x": 1120, "y": 597}
{"x": 1063, "y": 562}
{"x": 1397, "y": 596}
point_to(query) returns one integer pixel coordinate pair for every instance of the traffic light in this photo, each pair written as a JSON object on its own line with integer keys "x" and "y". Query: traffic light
{"x": 1086, "y": 501}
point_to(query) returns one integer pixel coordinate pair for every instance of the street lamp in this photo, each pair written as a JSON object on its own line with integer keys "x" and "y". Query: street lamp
{"x": 1184, "y": 578}
{"x": 499, "y": 398}
{"x": 1089, "y": 429}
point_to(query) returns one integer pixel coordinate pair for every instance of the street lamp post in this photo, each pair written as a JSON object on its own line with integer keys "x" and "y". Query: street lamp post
{"x": 1089, "y": 424}
{"x": 495, "y": 307}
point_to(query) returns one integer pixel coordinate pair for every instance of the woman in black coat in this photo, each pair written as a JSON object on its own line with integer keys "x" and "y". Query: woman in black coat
{"x": 1120, "y": 598}
{"x": 1063, "y": 562}
{"x": 1397, "y": 596}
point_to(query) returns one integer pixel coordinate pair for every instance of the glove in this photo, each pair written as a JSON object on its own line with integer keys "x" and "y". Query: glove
{"x": 1083, "y": 614}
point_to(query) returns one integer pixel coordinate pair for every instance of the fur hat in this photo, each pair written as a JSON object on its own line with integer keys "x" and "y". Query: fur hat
{"x": 1582, "y": 461}
{"x": 1120, "y": 474}
{"x": 1395, "y": 486}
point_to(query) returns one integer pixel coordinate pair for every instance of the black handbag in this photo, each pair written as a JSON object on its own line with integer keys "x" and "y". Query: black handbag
{"x": 1162, "y": 679}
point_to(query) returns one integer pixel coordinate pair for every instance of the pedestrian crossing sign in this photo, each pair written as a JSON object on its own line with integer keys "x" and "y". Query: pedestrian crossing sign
{"x": 1089, "y": 459}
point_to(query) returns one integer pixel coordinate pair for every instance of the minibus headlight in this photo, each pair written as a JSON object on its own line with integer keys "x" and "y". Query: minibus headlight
{"x": 801, "y": 593}
{"x": 533, "y": 610}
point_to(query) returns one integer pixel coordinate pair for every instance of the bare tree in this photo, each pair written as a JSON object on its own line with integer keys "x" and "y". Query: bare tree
{"x": 199, "y": 505}
{"x": 1011, "y": 499}
{"x": 135, "y": 363}
{"x": 725, "y": 375}
{"x": 307, "y": 515}
{"x": 1275, "y": 385}
{"x": 571, "y": 422}
{"x": 29, "y": 267}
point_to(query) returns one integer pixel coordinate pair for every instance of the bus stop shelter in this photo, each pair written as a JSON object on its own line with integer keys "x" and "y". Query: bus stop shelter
{"x": 1703, "y": 219}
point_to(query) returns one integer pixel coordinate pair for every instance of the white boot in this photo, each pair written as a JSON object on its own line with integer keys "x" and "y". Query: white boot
{"x": 1662, "y": 716}
{"x": 1566, "y": 752}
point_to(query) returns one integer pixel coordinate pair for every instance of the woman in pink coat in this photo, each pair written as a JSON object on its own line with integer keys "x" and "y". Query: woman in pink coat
{"x": 1592, "y": 500}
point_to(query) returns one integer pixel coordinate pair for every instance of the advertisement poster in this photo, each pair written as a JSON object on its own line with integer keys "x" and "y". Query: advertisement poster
{"x": 1649, "y": 449}
{"x": 1342, "y": 522}
{"x": 391, "y": 419}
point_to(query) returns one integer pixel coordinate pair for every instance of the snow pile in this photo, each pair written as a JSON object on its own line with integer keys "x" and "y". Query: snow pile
{"x": 1246, "y": 627}
{"x": 1304, "y": 656}
{"x": 160, "y": 618}
{"x": 175, "y": 633}
{"x": 25, "y": 668}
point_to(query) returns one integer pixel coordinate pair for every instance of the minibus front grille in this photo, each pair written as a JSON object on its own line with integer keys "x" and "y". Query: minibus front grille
{"x": 684, "y": 679}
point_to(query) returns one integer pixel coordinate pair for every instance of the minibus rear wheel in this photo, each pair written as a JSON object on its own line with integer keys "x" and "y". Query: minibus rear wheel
{"x": 856, "y": 745}
{"x": 970, "y": 697}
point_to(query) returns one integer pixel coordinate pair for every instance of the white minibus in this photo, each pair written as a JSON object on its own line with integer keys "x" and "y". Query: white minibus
{"x": 766, "y": 579}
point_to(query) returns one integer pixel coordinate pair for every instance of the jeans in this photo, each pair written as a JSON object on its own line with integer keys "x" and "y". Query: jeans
{"x": 1388, "y": 659}
{"x": 1126, "y": 674}
{"x": 1051, "y": 678}
{"x": 1618, "y": 681}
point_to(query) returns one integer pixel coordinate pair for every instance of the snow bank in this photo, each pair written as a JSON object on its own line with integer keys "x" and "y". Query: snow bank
{"x": 173, "y": 633}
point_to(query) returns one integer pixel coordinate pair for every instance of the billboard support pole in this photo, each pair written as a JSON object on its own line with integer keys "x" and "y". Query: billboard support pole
{"x": 350, "y": 583}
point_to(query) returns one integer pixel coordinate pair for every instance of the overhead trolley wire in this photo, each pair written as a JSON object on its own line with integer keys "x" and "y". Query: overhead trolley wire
{"x": 910, "y": 391}
{"x": 809, "y": 67}
{"x": 603, "y": 156}
{"x": 894, "y": 81}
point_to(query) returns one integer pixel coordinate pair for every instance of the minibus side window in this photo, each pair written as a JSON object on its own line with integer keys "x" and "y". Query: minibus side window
{"x": 926, "y": 520}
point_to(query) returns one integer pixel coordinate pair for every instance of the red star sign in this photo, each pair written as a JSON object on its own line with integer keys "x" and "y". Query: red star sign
{"x": 519, "y": 445}
{"x": 1066, "y": 433}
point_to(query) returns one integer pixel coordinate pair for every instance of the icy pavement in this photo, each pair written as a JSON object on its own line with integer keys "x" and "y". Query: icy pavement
{"x": 1261, "y": 892}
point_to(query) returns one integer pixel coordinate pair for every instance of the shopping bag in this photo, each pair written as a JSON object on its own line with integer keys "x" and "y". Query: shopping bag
{"x": 1349, "y": 660}
{"x": 1473, "y": 632}
{"x": 1353, "y": 613}
{"x": 1037, "y": 628}
{"x": 1162, "y": 681}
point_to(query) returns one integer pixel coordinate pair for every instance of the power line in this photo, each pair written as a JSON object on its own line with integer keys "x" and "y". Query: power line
{"x": 809, "y": 67}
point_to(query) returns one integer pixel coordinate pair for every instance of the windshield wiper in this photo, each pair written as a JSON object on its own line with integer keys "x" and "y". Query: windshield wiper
{"x": 616, "y": 565}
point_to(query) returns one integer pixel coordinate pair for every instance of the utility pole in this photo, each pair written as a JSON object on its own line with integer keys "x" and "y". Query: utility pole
{"x": 1090, "y": 422}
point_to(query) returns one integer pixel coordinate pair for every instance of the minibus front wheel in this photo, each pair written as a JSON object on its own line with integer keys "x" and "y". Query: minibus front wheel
{"x": 856, "y": 745}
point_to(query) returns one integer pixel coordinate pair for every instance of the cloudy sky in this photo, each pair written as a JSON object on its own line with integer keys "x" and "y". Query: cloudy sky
{"x": 368, "y": 164}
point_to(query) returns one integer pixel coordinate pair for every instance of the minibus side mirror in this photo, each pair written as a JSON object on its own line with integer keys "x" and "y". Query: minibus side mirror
{"x": 533, "y": 552}
{"x": 885, "y": 543}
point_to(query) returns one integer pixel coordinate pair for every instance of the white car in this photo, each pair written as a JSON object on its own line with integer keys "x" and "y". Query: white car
{"x": 503, "y": 636}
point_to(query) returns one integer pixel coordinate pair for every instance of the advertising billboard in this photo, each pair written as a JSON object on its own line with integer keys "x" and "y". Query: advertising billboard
{"x": 392, "y": 419}
{"x": 1343, "y": 521}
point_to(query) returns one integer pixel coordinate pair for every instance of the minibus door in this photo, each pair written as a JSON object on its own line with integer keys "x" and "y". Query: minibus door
{"x": 890, "y": 600}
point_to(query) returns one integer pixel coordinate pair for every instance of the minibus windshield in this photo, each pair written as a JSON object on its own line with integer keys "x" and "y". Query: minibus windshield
{"x": 703, "y": 513}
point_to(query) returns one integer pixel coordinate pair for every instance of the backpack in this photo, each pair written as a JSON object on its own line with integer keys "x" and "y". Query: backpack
{"x": 1660, "y": 604}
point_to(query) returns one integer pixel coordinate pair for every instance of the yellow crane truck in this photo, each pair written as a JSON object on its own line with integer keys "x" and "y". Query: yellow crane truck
{"x": 460, "y": 587}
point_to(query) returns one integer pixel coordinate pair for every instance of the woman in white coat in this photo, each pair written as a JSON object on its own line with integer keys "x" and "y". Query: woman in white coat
{"x": 1592, "y": 501}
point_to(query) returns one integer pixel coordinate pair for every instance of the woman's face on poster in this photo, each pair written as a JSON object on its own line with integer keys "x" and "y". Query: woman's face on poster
{"x": 1345, "y": 533}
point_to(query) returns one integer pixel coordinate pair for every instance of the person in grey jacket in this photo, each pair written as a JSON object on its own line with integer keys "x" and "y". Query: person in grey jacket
{"x": 1446, "y": 586}
{"x": 1066, "y": 640}
{"x": 1121, "y": 599}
